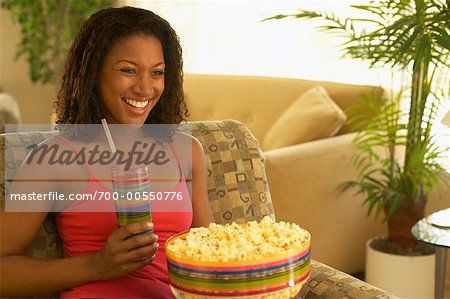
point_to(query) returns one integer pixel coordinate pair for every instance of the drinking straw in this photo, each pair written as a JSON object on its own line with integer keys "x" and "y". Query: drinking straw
{"x": 109, "y": 136}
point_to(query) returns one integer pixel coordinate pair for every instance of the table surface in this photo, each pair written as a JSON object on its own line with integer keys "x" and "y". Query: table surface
{"x": 434, "y": 229}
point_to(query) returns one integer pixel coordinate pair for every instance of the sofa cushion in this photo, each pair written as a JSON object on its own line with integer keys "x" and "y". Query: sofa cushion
{"x": 314, "y": 115}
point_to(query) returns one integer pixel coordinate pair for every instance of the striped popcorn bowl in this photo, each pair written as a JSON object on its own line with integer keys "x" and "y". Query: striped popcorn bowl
{"x": 277, "y": 276}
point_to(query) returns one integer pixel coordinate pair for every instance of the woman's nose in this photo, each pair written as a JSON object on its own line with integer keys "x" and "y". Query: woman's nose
{"x": 144, "y": 85}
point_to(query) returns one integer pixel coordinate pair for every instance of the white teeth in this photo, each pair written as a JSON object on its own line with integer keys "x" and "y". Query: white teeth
{"x": 136, "y": 104}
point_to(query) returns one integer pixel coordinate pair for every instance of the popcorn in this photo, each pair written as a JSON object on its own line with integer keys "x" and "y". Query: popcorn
{"x": 234, "y": 242}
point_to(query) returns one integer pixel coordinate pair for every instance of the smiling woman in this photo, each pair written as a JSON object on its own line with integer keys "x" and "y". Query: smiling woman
{"x": 132, "y": 79}
{"x": 143, "y": 59}
{"x": 124, "y": 65}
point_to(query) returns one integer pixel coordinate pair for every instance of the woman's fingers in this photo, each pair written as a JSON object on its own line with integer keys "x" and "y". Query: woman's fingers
{"x": 139, "y": 241}
{"x": 131, "y": 236}
{"x": 128, "y": 248}
{"x": 135, "y": 228}
{"x": 143, "y": 253}
{"x": 138, "y": 253}
{"x": 136, "y": 247}
{"x": 138, "y": 264}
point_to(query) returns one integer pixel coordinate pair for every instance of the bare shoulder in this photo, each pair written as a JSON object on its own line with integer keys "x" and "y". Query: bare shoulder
{"x": 187, "y": 141}
{"x": 40, "y": 156}
{"x": 50, "y": 145}
{"x": 183, "y": 137}
{"x": 190, "y": 151}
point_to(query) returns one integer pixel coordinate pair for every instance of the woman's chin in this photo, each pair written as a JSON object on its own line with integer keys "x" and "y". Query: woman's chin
{"x": 135, "y": 122}
{"x": 133, "y": 125}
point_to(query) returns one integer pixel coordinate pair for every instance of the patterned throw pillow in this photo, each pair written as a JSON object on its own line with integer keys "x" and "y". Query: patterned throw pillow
{"x": 237, "y": 184}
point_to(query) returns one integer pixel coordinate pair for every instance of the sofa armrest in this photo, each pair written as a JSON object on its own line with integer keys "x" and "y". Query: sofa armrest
{"x": 304, "y": 182}
{"x": 326, "y": 282}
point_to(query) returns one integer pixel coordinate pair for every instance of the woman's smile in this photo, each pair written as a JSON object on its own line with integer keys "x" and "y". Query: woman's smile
{"x": 137, "y": 104}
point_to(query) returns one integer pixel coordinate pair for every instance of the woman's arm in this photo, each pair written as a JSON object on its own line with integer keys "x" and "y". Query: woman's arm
{"x": 200, "y": 204}
{"x": 25, "y": 276}
{"x": 21, "y": 275}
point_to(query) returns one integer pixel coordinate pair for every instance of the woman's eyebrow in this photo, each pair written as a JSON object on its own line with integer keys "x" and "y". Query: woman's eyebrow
{"x": 126, "y": 60}
{"x": 134, "y": 63}
{"x": 161, "y": 63}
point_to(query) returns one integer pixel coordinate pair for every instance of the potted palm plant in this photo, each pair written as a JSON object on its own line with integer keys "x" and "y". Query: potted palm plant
{"x": 413, "y": 36}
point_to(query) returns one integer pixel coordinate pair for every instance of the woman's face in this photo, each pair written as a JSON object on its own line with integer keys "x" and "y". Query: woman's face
{"x": 132, "y": 79}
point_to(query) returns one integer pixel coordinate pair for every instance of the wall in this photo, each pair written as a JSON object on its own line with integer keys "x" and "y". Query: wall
{"x": 246, "y": 46}
{"x": 35, "y": 100}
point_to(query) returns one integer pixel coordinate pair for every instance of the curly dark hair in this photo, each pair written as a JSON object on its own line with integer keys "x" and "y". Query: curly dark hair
{"x": 78, "y": 100}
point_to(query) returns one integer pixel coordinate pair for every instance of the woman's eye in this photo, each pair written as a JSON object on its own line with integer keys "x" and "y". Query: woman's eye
{"x": 158, "y": 73}
{"x": 129, "y": 71}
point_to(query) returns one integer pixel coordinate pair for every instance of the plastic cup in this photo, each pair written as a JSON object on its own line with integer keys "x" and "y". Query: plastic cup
{"x": 131, "y": 189}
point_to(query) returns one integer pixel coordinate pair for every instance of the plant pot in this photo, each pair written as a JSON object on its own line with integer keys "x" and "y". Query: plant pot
{"x": 403, "y": 276}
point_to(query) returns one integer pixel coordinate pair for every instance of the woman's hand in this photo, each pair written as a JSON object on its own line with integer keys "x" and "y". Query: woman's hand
{"x": 123, "y": 254}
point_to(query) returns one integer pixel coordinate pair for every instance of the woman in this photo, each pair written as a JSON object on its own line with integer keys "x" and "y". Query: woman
{"x": 125, "y": 66}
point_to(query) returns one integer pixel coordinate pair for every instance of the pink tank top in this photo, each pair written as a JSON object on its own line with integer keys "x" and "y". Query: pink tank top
{"x": 87, "y": 232}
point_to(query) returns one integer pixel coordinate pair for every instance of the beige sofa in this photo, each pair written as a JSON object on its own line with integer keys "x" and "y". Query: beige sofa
{"x": 303, "y": 178}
